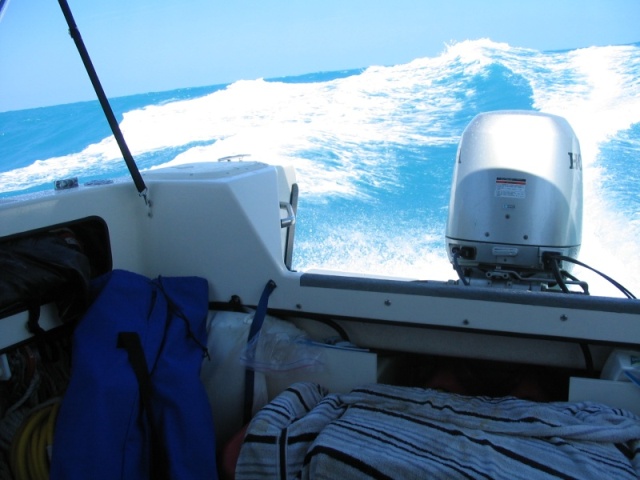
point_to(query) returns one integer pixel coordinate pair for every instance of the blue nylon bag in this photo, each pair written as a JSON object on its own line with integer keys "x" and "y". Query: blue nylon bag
{"x": 106, "y": 428}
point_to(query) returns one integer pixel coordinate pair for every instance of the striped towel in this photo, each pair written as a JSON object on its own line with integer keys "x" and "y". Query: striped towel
{"x": 388, "y": 432}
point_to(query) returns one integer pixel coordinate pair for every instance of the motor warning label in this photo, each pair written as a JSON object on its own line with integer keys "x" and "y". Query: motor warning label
{"x": 510, "y": 187}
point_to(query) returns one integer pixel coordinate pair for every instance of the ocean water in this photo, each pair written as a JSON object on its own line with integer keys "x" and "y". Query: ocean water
{"x": 373, "y": 148}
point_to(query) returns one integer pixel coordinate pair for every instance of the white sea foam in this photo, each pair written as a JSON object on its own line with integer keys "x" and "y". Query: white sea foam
{"x": 280, "y": 122}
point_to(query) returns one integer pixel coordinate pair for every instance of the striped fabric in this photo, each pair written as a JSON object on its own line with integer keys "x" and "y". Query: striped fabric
{"x": 387, "y": 432}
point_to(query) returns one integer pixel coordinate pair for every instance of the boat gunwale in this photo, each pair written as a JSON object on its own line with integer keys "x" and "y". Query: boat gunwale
{"x": 450, "y": 290}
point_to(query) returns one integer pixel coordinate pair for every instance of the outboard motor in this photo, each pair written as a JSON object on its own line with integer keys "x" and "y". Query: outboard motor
{"x": 516, "y": 199}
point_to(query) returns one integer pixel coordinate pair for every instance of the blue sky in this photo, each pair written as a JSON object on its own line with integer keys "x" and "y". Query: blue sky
{"x": 139, "y": 46}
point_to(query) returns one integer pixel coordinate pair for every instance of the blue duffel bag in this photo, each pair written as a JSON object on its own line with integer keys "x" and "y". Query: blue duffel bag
{"x": 135, "y": 407}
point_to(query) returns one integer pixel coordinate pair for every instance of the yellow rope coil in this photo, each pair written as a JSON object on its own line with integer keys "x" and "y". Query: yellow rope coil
{"x": 29, "y": 456}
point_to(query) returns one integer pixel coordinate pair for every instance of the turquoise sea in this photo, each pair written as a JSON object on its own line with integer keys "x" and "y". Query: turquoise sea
{"x": 373, "y": 148}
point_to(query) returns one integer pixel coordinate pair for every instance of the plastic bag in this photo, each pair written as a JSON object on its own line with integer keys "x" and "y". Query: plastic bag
{"x": 270, "y": 355}
{"x": 223, "y": 374}
{"x": 281, "y": 347}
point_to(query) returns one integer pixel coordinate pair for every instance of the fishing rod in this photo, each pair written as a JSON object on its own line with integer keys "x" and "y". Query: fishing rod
{"x": 104, "y": 102}
{"x": 3, "y": 4}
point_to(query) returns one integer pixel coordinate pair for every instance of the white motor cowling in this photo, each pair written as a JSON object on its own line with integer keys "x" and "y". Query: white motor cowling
{"x": 516, "y": 194}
